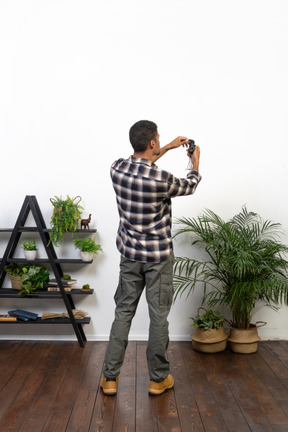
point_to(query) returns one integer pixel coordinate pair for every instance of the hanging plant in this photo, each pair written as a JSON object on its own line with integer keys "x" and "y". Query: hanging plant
{"x": 65, "y": 217}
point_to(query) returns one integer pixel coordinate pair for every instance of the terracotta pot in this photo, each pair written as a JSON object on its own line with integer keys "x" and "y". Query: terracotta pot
{"x": 209, "y": 341}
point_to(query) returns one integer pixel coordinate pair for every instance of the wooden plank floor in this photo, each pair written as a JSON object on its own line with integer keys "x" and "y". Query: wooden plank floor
{"x": 54, "y": 387}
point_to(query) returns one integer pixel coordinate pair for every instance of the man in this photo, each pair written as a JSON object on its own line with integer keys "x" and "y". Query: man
{"x": 143, "y": 193}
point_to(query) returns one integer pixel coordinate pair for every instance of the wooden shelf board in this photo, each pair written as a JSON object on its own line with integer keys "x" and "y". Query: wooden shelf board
{"x": 10, "y": 293}
{"x": 39, "y": 320}
{"x": 46, "y": 260}
{"x": 47, "y": 230}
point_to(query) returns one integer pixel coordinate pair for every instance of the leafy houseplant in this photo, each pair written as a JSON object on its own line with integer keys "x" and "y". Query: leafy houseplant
{"x": 209, "y": 334}
{"x": 88, "y": 248}
{"x": 30, "y": 249}
{"x": 209, "y": 320}
{"x": 14, "y": 269}
{"x": 15, "y": 272}
{"x": 31, "y": 277}
{"x": 29, "y": 245}
{"x": 245, "y": 263}
{"x": 65, "y": 217}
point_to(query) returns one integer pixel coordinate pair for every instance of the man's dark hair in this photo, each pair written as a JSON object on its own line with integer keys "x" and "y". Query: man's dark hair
{"x": 141, "y": 134}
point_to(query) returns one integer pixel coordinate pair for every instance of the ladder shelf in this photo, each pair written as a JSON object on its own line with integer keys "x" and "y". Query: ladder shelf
{"x": 30, "y": 204}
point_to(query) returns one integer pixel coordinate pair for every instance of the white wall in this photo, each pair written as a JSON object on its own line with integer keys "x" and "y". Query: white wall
{"x": 75, "y": 75}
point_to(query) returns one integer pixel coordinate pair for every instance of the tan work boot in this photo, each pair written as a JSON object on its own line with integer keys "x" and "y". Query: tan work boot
{"x": 157, "y": 388}
{"x": 109, "y": 387}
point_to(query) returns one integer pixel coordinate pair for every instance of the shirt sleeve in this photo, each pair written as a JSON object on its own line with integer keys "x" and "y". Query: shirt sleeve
{"x": 183, "y": 186}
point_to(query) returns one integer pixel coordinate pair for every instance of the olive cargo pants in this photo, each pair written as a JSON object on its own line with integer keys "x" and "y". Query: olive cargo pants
{"x": 158, "y": 279}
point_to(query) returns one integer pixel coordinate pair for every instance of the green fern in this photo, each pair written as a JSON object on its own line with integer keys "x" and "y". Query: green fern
{"x": 65, "y": 217}
{"x": 87, "y": 245}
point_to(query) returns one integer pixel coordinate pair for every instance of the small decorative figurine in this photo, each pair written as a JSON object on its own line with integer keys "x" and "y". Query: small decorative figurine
{"x": 85, "y": 222}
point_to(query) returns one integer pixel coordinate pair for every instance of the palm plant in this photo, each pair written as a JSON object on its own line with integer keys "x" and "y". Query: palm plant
{"x": 245, "y": 263}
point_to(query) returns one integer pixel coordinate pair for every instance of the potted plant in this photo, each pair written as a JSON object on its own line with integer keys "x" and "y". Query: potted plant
{"x": 30, "y": 249}
{"x": 29, "y": 277}
{"x": 15, "y": 272}
{"x": 88, "y": 248}
{"x": 65, "y": 217}
{"x": 209, "y": 335}
{"x": 86, "y": 287}
{"x": 244, "y": 265}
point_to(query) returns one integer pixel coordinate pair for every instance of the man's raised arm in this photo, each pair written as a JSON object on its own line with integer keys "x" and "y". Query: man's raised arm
{"x": 177, "y": 142}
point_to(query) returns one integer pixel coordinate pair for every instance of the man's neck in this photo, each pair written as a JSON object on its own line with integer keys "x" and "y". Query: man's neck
{"x": 144, "y": 155}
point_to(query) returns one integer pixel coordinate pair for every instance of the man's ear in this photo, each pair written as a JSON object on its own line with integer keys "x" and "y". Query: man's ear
{"x": 152, "y": 144}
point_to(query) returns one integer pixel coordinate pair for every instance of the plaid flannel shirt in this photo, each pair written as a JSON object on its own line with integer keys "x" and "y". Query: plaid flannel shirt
{"x": 143, "y": 193}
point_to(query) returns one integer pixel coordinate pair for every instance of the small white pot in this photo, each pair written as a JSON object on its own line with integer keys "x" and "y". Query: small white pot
{"x": 30, "y": 255}
{"x": 86, "y": 256}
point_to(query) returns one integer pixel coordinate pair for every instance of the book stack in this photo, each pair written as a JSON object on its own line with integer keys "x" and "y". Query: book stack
{"x": 67, "y": 284}
{"x": 23, "y": 315}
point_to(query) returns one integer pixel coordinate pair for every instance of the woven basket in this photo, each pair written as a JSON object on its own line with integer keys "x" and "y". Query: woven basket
{"x": 209, "y": 341}
{"x": 244, "y": 341}
{"x": 16, "y": 282}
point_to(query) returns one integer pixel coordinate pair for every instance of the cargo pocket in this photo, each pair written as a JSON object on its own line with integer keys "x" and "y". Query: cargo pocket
{"x": 119, "y": 292}
{"x": 166, "y": 291}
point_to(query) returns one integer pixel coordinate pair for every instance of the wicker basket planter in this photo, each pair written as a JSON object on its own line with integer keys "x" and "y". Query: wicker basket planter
{"x": 244, "y": 341}
{"x": 209, "y": 341}
{"x": 16, "y": 282}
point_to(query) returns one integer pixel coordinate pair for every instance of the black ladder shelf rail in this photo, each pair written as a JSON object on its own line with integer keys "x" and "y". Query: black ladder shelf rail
{"x": 30, "y": 204}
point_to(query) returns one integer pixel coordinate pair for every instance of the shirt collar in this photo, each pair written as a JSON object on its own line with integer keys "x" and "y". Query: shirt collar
{"x": 142, "y": 161}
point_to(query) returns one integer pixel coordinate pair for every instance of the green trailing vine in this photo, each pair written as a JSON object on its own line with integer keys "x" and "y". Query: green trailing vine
{"x": 65, "y": 217}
